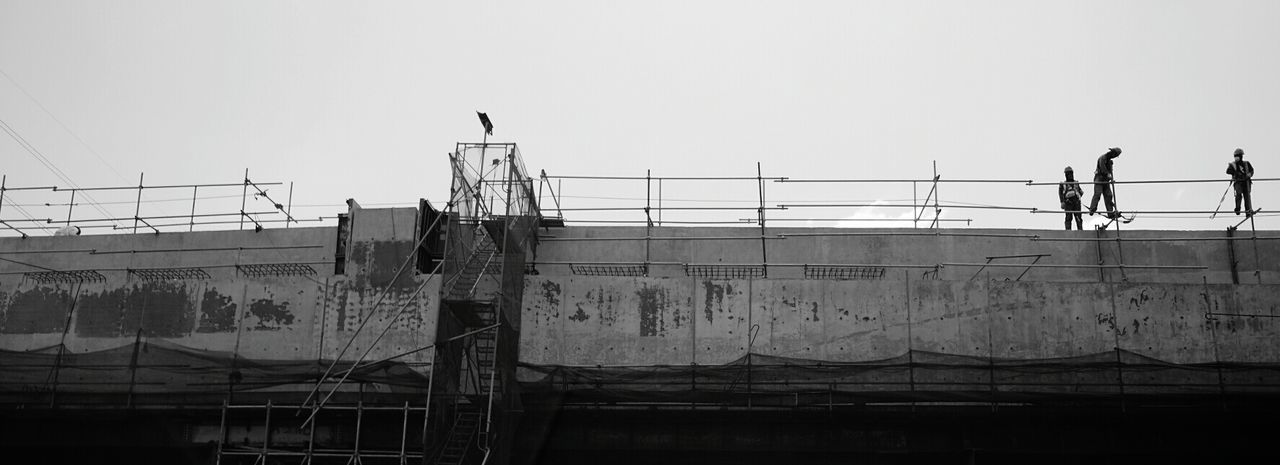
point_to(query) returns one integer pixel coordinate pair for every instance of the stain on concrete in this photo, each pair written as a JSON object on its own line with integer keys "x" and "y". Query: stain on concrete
{"x": 101, "y": 313}
{"x": 39, "y": 310}
{"x": 159, "y": 309}
{"x": 340, "y": 308}
{"x": 374, "y": 264}
{"x": 714, "y": 297}
{"x": 271, "y": 316}
{"x": 1135, "y": 302}
{"x": 217, "y": 313}
{"x": 358, "y": 263}
{"x": 385, "y": 258}
{"x": 580, "y": 315}
{"x": 551, "y": 292}
{"x": 603, "y": 302}
{"x": 653, "y": 301}
{"x": 815, "y": 311}
{"x": 551, "y": 295}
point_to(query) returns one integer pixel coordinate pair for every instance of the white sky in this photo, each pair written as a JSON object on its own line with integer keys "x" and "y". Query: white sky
{"x": 365, "y": 100}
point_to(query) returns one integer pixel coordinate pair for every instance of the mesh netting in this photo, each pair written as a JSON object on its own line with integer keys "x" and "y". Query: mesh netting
{"x": 917, "y": 376}
{"x": 164, "y": 369}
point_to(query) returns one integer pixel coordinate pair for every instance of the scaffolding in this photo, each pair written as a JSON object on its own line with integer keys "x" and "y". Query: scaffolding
{"x": 37, "y": 212}
{"x": 926, "y": 212}
{"x": 490, "y": 237}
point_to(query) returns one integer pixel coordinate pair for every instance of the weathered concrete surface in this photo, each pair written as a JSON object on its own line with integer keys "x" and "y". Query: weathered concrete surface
{"x": 789, "y": 247}
{"x": 588, "y": 321}
{"x": 274, "y": 317}
{"x": 379, "y": 242}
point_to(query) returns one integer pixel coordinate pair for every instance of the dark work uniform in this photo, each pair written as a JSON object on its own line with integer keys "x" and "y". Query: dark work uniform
{"x": 1102, "y": 178}
{"x": 1242, "y": 176}
{"x": 1069, "y": 194}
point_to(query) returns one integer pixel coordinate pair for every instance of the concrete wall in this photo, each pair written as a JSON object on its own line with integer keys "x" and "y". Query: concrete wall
{"x": 611, "y": 321}
{"x": 271, "y": 317}
{"x": 787, "y": 248}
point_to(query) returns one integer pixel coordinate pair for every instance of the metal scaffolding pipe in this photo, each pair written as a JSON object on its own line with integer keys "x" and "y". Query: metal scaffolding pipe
{"x": 642, "y": 238}
{"x": 1052, "y": 265}
{"x": 881, "y": 205}
{"x": 837, "y": 234}
{"x": 971, "y": 181}
{"x": 600, "y": 209}
{"x": 743, "y": 222}
{"x": 670, "y": 178}
{"x": 170, "y": 186}
{"x": 887, "y": 220}
{"x": 1152, "y": 239}
{"x": 206, "y": 249}
{"x": 1154, "y": 181}
{"x": 1144, "y": 212}
{"x": 33, "y": 188}
{"x": 203, "y": 215}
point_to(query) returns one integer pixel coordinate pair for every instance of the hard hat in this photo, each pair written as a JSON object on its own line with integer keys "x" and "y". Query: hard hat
{"x": 1239, "y": 152}
{"x": 1067, "y": 170}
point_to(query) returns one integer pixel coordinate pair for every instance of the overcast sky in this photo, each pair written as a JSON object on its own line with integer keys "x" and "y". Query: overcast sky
{"x": 364, "y": 99}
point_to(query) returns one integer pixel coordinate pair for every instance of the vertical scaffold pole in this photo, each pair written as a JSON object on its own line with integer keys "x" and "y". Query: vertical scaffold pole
{"x": 764, "y": 252}
{"x": 266, "y": 435}
{"x": 222, "y": 433}
{"x": 915, "y": 199}
{"x": 648, "y": 223}
{"x": 71, "y": 205}
{"x": 4, "y": 179}
{"x": 194, "y": 191}
{"x": 937, "y": 211}
{"x": 404, "y": 432}
{"x": 244, "y": 197}
{"x": 137, "y": 206}
{"x": 426, "y": 413}
{"x": 355, "y": 453}
{"x": 288, "y": 212}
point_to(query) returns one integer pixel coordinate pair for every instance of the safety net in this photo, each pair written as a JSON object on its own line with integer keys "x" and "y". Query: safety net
{"x": 916, "y": 376}
{"x": 166, "y": 372}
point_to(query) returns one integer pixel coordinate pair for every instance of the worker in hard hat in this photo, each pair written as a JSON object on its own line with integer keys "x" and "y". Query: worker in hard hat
{"x": 1102, "y": 178}
{"x": 1069, "y": 194}
{"x": 1242, "y": 178}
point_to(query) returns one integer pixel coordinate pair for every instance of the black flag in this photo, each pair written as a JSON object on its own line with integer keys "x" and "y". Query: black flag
{"x": 484, "y": 119}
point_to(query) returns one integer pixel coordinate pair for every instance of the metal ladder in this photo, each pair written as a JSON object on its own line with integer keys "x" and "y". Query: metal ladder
{"x": 462, "y": 286}
{"x": 465, "y": 427}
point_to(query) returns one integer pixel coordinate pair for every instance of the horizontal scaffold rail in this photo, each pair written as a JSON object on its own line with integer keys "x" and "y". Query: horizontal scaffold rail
{"x": 929, "y": 181}
{"x": 883, "y": 265}
{"x": 898, "y": 233}
{"x": 1057, "y": 265}
{"x": 896, "y": 205}
{"x": 670, "y": 178}
{"x": 657, "y": 238}
{"x": 1155, "y": 239}
{"x": 1150, "y": 181}
{"x": 1130, "y": 212}
{"x": 622, "y": 209}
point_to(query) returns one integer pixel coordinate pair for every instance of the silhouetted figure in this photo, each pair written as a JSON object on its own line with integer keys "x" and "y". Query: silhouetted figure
{"x": 1069, "y": 194}
{"x": 1102, "y": 177}
{"x": 1242, "y": 178}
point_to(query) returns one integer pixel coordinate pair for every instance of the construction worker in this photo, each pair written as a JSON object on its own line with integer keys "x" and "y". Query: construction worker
{"x": 1242, "y": 178}
{"x": 1069, "y": 194}
{"x": 1102, "y": 178}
